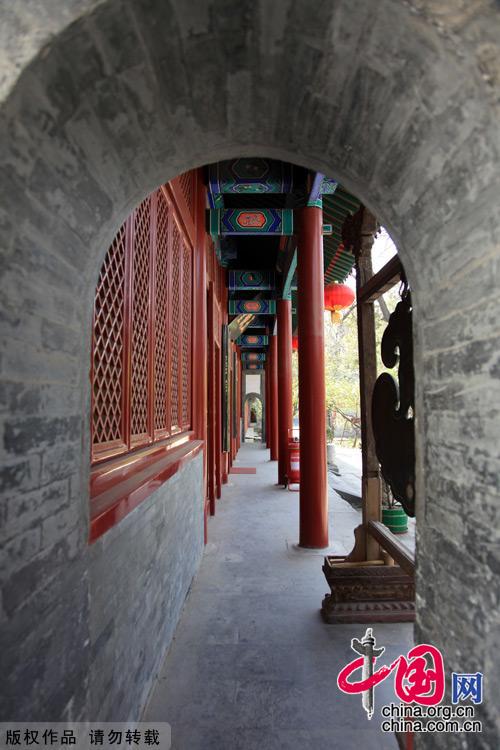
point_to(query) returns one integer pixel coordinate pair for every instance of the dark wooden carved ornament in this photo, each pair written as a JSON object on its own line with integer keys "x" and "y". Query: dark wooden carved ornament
{"x": 393, "y": 407}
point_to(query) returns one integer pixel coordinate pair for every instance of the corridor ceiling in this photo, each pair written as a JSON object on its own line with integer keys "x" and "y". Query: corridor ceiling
{"x": 250, "y": 219}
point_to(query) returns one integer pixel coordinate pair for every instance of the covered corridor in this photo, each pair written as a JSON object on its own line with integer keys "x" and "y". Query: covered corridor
{"x": 129, "y": 327}
{"x": 252, "y": 664}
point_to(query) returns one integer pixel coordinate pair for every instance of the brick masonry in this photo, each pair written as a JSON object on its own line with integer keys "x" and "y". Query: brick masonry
{"x": 101, "y": 101}
{"x": 140, "y": 573}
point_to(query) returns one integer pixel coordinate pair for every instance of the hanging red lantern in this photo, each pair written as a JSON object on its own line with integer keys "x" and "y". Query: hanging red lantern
{"x": 295, "y": 343}
{"x": 338, "y": 297}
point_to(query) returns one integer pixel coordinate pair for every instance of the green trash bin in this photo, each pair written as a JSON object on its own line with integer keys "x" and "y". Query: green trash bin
{"x": 395, "y": 519}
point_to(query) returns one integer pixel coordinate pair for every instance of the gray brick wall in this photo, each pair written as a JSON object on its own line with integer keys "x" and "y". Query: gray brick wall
{"x": 140, "y": 573}
{"x": 101, "y": 101}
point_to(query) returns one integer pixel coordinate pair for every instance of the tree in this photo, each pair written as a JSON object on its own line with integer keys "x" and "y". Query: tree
{"x": 342, "y": 361}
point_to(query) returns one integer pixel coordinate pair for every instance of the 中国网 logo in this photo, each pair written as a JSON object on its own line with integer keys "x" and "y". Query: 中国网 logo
{"x": 419, "y": 676}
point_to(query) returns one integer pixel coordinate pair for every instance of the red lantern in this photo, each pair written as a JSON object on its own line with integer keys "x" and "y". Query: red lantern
{"x": 295, "y": 343}
{"x": 338, "y": 297}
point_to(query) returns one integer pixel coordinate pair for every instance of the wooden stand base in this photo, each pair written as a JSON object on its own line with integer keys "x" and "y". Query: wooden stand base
{"x": 367, "y": 592}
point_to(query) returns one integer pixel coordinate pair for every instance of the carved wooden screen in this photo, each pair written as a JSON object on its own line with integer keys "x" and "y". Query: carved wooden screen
{"x": 187, "y": 305}
{"x": 108, "y": 356}
{"x": 142, "y": 340}
{"x": 175, "y": 328}
{"x": 161, "y": 265}
{"x": 141, "y": 320}
{"x": 187, "y": 186}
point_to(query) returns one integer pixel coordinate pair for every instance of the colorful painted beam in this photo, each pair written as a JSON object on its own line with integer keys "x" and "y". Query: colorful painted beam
{"x": 264, "y": 221}
{"x": 253, "y": 356}
{"x": 328, "y": 186}
{"x": 253, "y": 306}
{"x": 251, "y": 280}
{"x": 250, "y": 176}
{"x": 256, "y": 324}
{"x": 252, "y": 340}
{"x": 254, "y": 366}
{"x": 321, "y": 185}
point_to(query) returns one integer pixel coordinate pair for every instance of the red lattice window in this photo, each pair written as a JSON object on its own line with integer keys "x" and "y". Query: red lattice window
{"x": 141, "y": 315}
{"x": 175, "y": 328}
{"x": 187, "y": 275}
{"x": 161, "y": 305}
{"x": 142, "y": 339}
{"x": 108, "y": 349}
{"x": 186, "y": 182}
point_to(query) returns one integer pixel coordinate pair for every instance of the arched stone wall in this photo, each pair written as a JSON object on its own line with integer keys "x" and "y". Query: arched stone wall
{"x": 101, "y": 101}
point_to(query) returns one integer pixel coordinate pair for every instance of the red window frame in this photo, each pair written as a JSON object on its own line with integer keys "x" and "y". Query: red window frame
{"x": 134, "y": 332}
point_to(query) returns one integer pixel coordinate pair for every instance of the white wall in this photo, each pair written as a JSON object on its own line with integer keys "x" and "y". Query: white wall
{"x": 253, "y": 384}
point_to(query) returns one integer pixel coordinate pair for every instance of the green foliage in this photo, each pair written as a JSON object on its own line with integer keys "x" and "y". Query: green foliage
{"x": 341, "y": 359}
{"x": 342, "y": 365}
{"x": 256, "y": 405}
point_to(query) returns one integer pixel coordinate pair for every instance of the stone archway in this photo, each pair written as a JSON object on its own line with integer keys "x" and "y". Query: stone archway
{"x": 251, "y": 398}
{"x": 101, "y": 101}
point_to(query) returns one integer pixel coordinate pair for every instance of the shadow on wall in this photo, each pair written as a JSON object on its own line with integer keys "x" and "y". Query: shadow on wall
{"x": 103, "y": 102}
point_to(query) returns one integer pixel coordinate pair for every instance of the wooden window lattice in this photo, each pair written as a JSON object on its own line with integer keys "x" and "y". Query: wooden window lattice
{"x": 186, "y": 182}
{"x": 186, "y": 333}
{"x": 143, "y": 308}
{"x": 140, "y": 320}
{"x": 161, "y": 319}
{"x": 175, "y": 328}
{"x": 108, "y": 343}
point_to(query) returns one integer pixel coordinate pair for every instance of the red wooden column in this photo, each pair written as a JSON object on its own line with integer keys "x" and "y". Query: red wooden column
{"x": 225, "y": 454}
{"x": 273, "y": 397}
{"x": 284, "y": 383}
{"x": 312, "y": 402}
{"x": 212, "y": 405}
{"x": 267, "y": 377}
{"x": 246, "y": 417}
{"x": 200, "y": 334}
{"x": 240, "y": 397}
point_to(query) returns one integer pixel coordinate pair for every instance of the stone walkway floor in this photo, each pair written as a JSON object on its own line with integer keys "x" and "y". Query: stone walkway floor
{"x": 252, "y": 665}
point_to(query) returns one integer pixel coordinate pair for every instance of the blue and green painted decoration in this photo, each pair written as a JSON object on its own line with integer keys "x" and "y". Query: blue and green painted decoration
{"x": 251, "y": 280}
{"x": 252, "y": 340}
{"x": 255, "y": 323}
{"x": 254, "y": 366}
{"x": 253, "y": 356}
{"x": 321, "y": 186}
{"x": 253, "y": 306}
{"x": 248, "y": 176}
{"x": 228, "y": 221}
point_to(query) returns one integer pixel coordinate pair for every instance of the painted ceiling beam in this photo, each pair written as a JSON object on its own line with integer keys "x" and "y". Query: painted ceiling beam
{"x": 253, "y": 306}
{"x": 253, "y": 366}
{"x": 319, "y": 186}
{"x": 249, "y": 176}
{"x": 244, "y": 221}
{"x": 252, "y": 341}
{"x": 253, "y": 356}
{"x": 251, "y": 280}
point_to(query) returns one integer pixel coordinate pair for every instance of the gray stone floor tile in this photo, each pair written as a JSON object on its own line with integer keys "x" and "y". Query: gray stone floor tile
{"x": 252, "y": 664}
